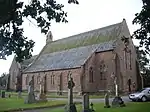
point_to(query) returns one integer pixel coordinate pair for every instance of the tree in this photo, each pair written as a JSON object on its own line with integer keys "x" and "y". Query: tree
{"x": 12, "y": 14}
{"x": 142, "y": 59}
{"x": 3, "y": 79}
{"x": 144, "y": 65}
{"x": 143, "y": 19}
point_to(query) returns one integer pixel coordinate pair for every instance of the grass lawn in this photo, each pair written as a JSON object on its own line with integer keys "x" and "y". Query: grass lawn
{"x": 14, "y": 103}
{"x": 99, "y": 107}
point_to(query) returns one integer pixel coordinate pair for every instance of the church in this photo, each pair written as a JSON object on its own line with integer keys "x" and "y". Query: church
{"x": 94, "y": 58}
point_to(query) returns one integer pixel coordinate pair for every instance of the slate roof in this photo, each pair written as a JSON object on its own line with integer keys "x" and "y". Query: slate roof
{"x": 71, "y": 58}
{"x": 97, "y": 36}
{"x": 27, "y": 62}
{"x": 73, "y": 51}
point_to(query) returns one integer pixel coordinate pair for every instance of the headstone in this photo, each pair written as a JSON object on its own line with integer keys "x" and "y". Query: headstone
{"x": 3, "y": 94}
{"x": 19, "y": 94}
{"x": 107, "y": 100}
{"x": 42, "y": 95}
{"x": 30, "y": 97}
{"x": 85, "y": 102}
{"x": 70, "y": 107}
{"x": 19, "y": 90}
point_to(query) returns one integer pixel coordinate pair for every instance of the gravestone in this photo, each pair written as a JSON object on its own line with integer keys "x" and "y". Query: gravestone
{"x": 42, "y": 95}
{"x": 19, "y": 94}
{"x": 107, "y": 100}
{"x": 30, "y": 97}
{"x": 3, "y": 94}
{"x": 85, "y": 102}
{"x": 117, "y": 101}
{"x": 70, "y": 107}
{"x": 19, "y": 90}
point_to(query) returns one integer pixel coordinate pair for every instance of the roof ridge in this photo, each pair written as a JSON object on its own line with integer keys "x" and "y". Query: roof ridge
{"x": 102, "y": 28}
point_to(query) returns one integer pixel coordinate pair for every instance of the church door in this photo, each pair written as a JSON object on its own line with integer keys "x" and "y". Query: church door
{"x": 45, "y": 84}
{"x": 129, "y": 85}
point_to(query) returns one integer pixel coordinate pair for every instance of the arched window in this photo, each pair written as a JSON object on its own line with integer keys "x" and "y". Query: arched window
{"x": 91, "y": 79}
{"x": 130, "y": 62}
{"x": 38, "y": 79}
{"x": 27, "y": 80}
{"x": 101, "y": 75}
{"x": 52, "y": 79}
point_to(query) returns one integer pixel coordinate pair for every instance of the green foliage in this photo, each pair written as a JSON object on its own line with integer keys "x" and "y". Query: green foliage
{"x": 3, "y": 79}
{"x": 12, "y": 13}
{"x": 144, "y": 65}
{"x": 142, "y": 59}
{"x": 143, "y": 19}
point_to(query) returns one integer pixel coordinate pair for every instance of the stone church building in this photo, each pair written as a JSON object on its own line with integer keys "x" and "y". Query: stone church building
{"x": 94, "y": 59}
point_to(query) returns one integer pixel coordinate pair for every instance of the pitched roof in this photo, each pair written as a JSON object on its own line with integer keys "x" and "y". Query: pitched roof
{"x": 27, "y": 62}
{"x": 71, "y": 58}
{"x": 100, "y": 35}
{"x": 73, "y": 51}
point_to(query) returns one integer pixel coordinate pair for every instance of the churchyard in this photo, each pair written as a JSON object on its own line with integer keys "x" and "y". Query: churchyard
{"x": 30, "y": 101}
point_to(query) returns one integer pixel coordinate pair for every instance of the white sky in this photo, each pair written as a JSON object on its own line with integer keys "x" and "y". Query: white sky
{"x": 88, "y": 15}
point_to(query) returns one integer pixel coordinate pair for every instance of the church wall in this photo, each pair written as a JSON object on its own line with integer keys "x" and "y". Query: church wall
{"x": 14, "y": 72}
{"x": 127, "y": 71}
{"x": 87, "y": 86}
{"x": 105, "y": 69}
{"x": 100, "y": 83}
{"x": 53, "y": 83}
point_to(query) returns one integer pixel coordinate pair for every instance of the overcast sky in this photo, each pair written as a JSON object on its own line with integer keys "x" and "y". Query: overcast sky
{"x": 88, "y": 15}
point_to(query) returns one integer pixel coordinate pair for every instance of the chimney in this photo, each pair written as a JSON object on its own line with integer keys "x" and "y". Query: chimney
{"x": 49, "y": 37}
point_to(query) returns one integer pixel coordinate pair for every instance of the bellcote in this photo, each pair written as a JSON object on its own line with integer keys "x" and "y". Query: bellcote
{"x": 49, "y": 37}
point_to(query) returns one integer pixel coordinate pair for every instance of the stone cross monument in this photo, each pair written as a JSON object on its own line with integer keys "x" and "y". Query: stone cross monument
{"x": 42, "y": 95}
{"x": 117, "y": 101}
{"x": 71, "y": 106}
{"x": 70, "y": 89}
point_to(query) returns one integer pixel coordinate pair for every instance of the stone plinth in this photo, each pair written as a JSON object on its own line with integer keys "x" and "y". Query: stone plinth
{"x": 42, "y": 98}
{"x": 118, "y": 102}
